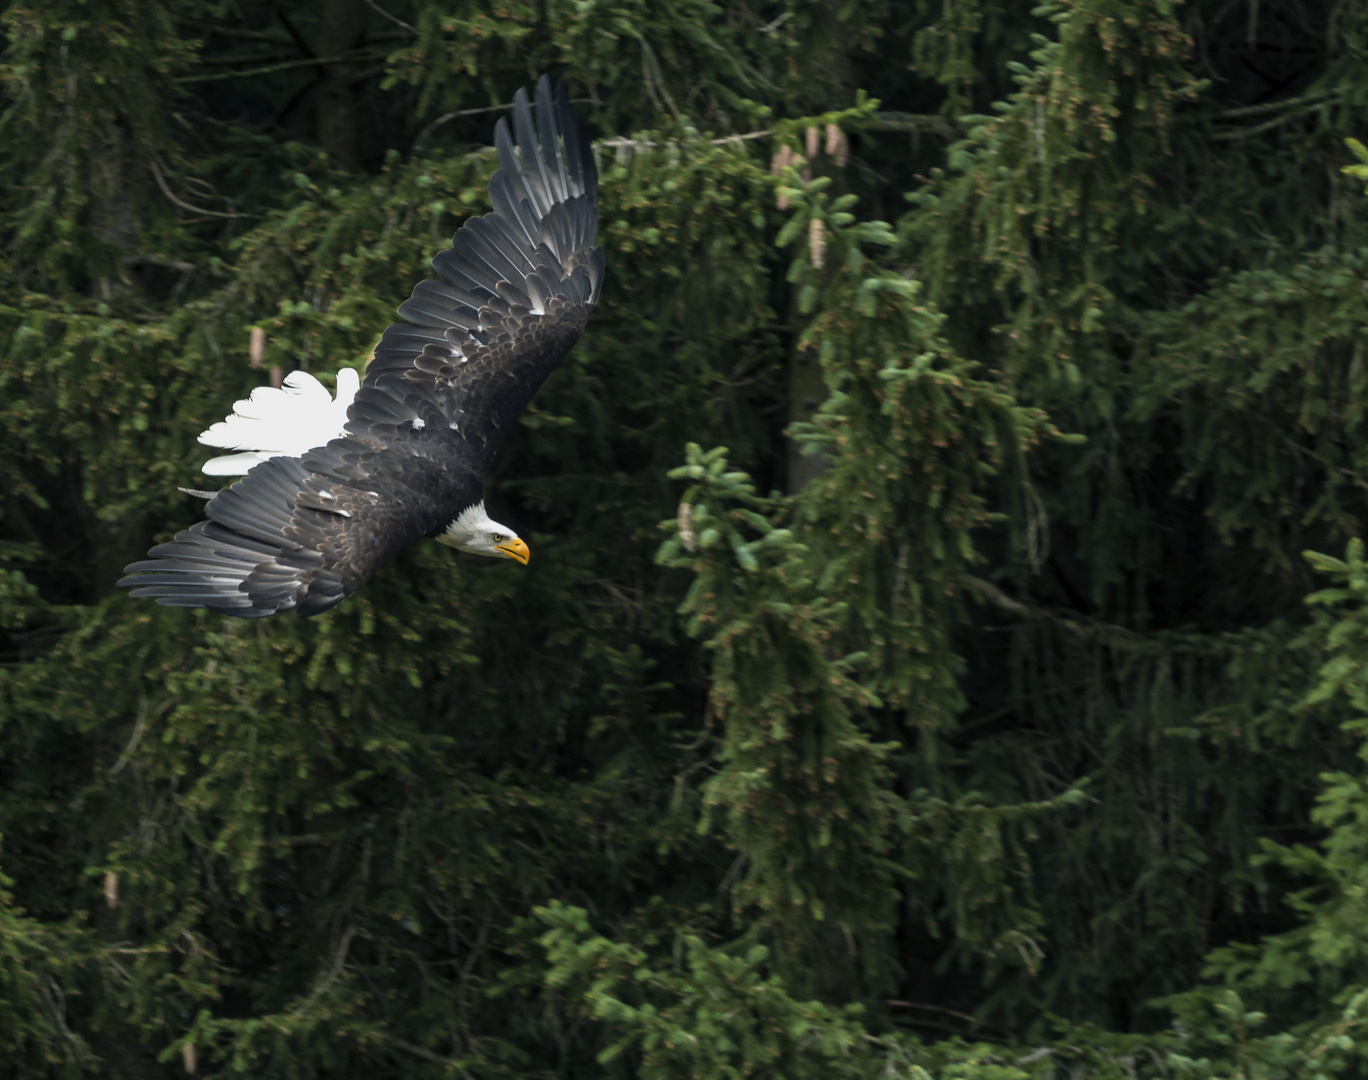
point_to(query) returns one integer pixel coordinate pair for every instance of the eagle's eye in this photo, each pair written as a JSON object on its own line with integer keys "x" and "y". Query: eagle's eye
{"x": 496, "y": 537}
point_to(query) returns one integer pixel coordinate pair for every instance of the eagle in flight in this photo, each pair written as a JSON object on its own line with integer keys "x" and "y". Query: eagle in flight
{"x": 333, "y": 488}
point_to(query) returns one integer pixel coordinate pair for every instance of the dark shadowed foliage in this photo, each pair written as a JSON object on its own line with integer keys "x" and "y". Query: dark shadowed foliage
{"x": 921, "y": 671}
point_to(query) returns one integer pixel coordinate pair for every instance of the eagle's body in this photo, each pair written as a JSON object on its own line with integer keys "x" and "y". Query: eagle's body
{"x": 310, "y": 523}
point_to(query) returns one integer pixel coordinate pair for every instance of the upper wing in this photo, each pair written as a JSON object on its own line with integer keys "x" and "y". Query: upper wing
{"x": 518, "y": 284}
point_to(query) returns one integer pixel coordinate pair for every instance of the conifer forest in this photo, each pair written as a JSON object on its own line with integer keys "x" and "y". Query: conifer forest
{"x": 944, "y": 654}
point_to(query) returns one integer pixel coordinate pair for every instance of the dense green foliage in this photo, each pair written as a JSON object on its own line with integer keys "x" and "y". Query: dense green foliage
{"x": 1010, "y": 733}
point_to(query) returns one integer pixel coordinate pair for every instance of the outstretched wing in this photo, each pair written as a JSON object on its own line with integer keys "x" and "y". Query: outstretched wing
{"x": 517, "y": 288}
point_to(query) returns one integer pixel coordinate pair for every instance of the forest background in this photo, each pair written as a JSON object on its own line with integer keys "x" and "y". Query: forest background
{"x": 992, "y": 706}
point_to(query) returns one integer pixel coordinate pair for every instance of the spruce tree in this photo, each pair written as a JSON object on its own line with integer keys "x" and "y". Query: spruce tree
{"x": 922, "y": 671}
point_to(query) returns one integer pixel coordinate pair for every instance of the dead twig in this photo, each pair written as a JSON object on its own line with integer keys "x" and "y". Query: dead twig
{"x": 166, "y": 190}
{"x": 913, "y": 122}
{"x": 392, "y": 18}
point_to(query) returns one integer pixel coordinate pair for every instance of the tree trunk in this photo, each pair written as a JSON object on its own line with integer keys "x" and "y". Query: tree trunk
{"x": 341, "y": 30}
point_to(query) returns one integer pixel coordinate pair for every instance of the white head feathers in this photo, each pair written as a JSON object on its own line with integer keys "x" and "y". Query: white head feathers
{"x": 477, "y": 533}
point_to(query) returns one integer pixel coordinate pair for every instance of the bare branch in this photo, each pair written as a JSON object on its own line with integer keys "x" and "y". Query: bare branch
{"x": 912, "y": 122}
{"x": 312, "y": 61}
{"x": 422, "y": 1052}
{"x": 1084, "y": 627}
{"x": 136, "y": 738}
{"x": 166, "y": 190}
{"x": 651, "y": 144}
{"x": 1272, "y": 106}
{"x": 392, "y": 18}
{"x": 1267, "y": 125}
{"x": 446, "y": 117}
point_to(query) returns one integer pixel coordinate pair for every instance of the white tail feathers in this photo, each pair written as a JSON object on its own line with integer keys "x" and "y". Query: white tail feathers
{"x": 291, "y": 421}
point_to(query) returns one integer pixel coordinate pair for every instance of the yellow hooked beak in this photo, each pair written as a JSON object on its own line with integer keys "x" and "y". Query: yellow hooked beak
{"x": 515, "y": 549}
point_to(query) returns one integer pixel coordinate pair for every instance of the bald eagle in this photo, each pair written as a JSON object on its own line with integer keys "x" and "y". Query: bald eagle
{"x": 333, "y": 488}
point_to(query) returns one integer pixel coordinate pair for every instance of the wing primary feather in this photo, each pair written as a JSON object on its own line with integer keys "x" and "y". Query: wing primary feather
{"x": 508, "y": 157}
{"x": 599, "y": 262}
{"x": 582, "y": 171}
{"x": 509, "y": 206}
{"x": 457, "y": 273}
{"x": 527, "y": 148}
{"x": 519, "y": 180}
{"x": 550, "y": 144}
{"x": 498, "y": 267}
{"x": 507, "y": 237}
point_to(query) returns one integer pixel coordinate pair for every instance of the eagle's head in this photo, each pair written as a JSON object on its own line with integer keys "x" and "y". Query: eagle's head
{"x": 474, "y": 531}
